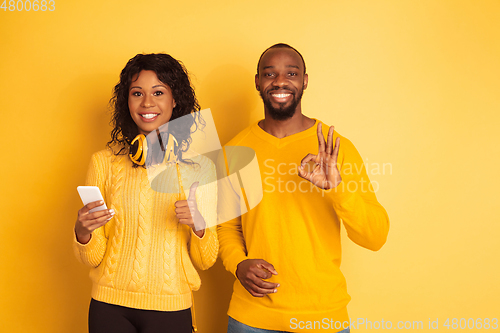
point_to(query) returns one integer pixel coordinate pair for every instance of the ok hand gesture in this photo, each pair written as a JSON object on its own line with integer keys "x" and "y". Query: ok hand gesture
{"x": 325, "y": 174}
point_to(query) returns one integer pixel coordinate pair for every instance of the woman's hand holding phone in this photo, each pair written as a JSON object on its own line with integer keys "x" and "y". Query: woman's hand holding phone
{"x": 93, "y": 215}
{"x": 87, "y": 222}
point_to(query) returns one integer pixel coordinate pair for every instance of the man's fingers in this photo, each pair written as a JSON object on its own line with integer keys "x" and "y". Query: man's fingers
{"x": 303, "y": 166}
{"x": 262, "y": 291}
{"x": 252, "y": 290}
{"x": 308, "y": 158}
{"x": 252, "y": 272}
{"x": 266, "y": 286}
{"x": 261, "y": 272}
{"x": 192, "y": 191}
{"x": 321, "y": 140}
{"x": 269, "y": 267}
{"x": 336, "y": 150}
{"x": 304, "y": 174}
{"x": 254, "y": 294}
{"x": 259, "y": 288}
{"x": 329, "y": 141}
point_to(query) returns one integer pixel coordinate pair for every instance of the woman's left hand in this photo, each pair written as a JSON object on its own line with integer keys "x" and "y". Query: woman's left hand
{"x": 187, "y": 212}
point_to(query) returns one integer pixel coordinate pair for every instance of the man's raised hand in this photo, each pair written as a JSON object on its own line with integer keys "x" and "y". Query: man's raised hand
{"x": 325, "y": 173}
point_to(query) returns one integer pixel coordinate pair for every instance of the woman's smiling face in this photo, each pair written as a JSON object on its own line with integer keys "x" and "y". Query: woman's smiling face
{"x": 150, "y": 102}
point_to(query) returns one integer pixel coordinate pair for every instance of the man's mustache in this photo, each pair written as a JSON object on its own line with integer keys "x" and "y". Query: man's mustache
{"x": 281, "y": 88}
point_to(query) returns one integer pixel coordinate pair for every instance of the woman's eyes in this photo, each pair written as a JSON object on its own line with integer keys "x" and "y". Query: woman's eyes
{"x": 139, "y": 94}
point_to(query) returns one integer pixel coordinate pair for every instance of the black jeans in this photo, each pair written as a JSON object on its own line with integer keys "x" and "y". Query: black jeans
{"x": 110, "y": 318}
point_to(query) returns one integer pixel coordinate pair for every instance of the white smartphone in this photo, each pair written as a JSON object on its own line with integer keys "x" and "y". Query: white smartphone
{"x": 90, "y": 194}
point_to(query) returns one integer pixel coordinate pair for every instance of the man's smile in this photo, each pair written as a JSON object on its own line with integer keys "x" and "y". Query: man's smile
{"x": 281, "y": 96}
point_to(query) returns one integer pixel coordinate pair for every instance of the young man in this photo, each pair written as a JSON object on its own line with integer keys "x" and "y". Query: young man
{"x": 285, "y": 252}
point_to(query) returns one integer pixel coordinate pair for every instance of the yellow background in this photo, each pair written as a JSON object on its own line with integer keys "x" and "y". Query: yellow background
{"x": 412, "y": 83}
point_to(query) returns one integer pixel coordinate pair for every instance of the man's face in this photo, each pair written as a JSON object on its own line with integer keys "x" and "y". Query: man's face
{"x": 281, "y": 82}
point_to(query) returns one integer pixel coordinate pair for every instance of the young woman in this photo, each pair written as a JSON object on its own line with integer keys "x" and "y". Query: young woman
{"x": 142, "y": 249}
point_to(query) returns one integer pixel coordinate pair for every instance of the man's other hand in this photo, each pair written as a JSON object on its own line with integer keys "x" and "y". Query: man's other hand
{"x": 252, "y": 273}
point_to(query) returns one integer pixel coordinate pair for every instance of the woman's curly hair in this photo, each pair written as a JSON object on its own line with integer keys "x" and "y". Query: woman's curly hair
{"x": 169, "y": 71}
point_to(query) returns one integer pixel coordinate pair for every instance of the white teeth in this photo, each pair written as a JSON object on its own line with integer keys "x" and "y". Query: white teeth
{"x": 280, "y": 95}
{"x": 149, "y": 115}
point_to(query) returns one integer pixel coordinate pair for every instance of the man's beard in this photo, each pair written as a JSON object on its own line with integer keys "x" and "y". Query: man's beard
{"x": 282, "y": 112}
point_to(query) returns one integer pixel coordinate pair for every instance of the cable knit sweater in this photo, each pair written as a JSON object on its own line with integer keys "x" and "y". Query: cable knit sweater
{"x": 143, "y": 257}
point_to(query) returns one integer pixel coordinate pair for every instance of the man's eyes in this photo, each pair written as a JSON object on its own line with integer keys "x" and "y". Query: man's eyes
{"x": 273, "y": 74}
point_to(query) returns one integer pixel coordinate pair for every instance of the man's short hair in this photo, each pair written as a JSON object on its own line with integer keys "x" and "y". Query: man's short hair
{"x": 277, "y": 46}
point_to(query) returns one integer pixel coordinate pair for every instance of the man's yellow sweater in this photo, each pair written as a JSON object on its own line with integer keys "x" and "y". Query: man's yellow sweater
{"x": 143, "y": 258}
{"x": 296, "y": 228}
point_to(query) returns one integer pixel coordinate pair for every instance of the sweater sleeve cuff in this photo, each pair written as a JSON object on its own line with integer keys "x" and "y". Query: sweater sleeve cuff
{"x": 205, "y": 248}
{"x": 85, "y": 246}
{"x": 90, "y": 253}
{"x": 201, "y": 239}
{"x": 234, "y": 261}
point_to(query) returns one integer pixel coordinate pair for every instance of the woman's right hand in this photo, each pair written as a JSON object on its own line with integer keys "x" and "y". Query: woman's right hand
{"x": 88, "y": 222}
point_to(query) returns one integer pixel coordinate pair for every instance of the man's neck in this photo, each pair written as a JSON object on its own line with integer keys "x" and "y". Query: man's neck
{"x": 283, "y": 128}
